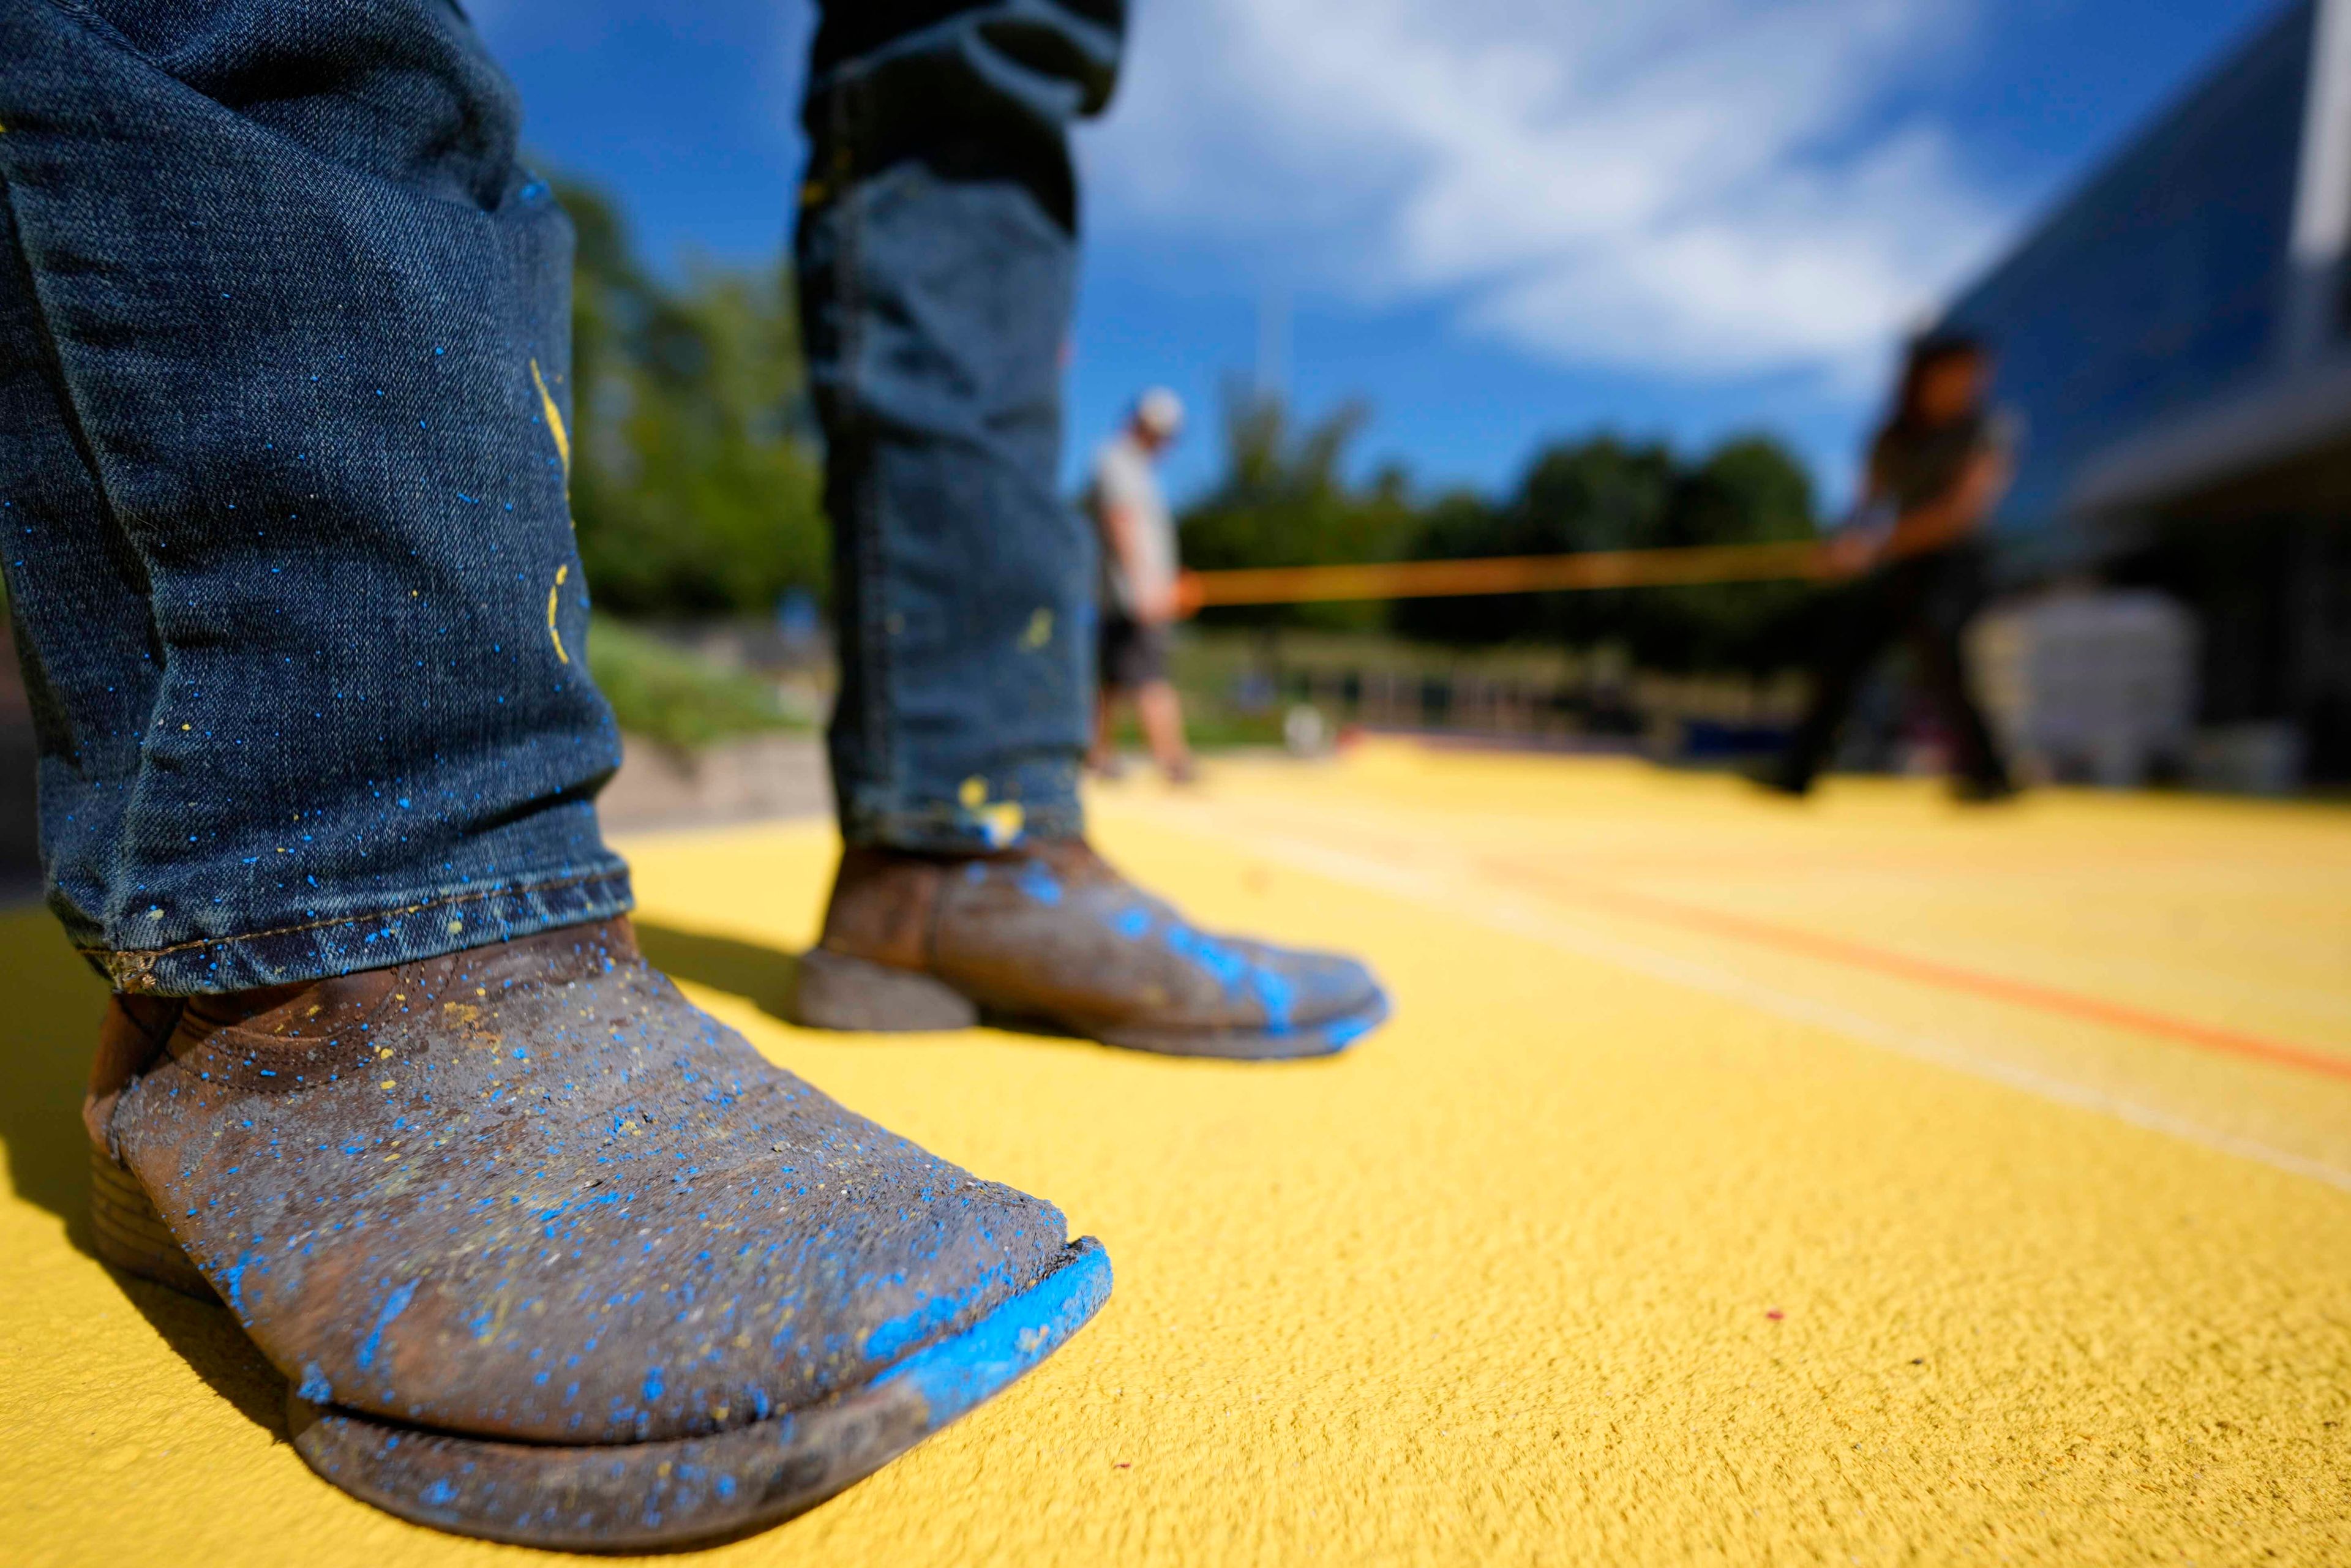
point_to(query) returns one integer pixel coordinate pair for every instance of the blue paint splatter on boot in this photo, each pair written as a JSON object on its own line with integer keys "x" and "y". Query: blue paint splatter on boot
{"x": 1038, "y": 884}
{"x": 394, "y": 1304}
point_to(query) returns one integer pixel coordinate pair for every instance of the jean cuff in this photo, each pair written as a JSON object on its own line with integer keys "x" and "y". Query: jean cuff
{"x": 1034, "y": 801}
{"x": 449, "y": 923}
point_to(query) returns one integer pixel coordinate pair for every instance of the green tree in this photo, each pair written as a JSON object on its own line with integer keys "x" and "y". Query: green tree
{"x": 1750, "y": 490}
{"x": 1284, "y": 500}
{"x": 1604, "y": 493}
{"x": 695, "y": 486}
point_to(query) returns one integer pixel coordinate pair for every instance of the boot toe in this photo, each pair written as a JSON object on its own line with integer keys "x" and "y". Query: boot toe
{"x": 1316, "y": 986}
{"x": 687, "y": 1310}
{"x": 546, "y": 1254}
{"x": 1053, "y": 935}
{"x": 575, "y": 1212}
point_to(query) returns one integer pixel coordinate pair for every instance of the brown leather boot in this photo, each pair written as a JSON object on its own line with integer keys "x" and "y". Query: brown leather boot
{"x": 548, "y": 1255}
{"x": 1050, "y": 933}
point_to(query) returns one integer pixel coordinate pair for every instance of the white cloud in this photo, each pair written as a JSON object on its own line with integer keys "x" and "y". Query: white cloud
{"x": 1696, "y": 188}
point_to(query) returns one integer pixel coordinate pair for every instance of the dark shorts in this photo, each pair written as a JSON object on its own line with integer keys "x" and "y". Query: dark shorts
{"x": 1133, "y": 654}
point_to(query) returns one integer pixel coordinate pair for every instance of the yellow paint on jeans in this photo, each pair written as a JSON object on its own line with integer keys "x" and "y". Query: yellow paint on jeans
{"x": 553, "y": 592}
{"x": 554, "y": 426}
{"x": 1001, "y": 821}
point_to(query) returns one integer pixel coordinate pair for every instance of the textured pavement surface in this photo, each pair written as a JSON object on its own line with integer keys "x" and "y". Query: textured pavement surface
{"x": 1866, "y": 1181}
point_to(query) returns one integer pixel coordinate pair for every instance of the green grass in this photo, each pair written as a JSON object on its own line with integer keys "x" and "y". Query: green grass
{"x": 1208, "y": 725}
{"x": 673, "y": 697}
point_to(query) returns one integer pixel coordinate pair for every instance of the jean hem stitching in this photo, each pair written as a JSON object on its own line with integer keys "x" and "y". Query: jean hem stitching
{"x": 136, "y": 960}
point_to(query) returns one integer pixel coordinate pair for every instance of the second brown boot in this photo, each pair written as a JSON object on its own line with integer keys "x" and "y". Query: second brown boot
{"x": 1050, "y": 933}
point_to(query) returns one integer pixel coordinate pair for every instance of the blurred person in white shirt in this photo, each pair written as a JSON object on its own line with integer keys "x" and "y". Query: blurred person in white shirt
{"x": 1138, "y": 587}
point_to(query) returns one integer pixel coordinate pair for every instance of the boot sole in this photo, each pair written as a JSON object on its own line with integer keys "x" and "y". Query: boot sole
{"x": 127, "y": 1232}
{"x": 1328, "y": 1038}
{"x": 834, "y": 991}
{"x": 632, "y": 1497}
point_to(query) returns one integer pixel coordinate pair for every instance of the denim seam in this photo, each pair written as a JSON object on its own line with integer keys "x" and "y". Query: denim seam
{"x": 77, "y": 424}
{"x": 872, "y": 590}
{"x": 147, "y": 956}
{"x": 945, "y": 829}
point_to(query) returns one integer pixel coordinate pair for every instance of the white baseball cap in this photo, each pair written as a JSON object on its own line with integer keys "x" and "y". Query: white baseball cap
{"x": 1160, "y": 412}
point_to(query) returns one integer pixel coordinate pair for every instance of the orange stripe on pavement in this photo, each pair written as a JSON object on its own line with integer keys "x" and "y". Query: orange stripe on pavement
{"x": 1951, "y": 976}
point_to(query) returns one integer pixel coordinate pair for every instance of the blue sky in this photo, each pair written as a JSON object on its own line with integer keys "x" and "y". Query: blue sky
{"x": 1498, "y": 221}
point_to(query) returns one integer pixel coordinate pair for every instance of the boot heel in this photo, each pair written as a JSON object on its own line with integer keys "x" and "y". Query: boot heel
{"x": 132, "y": 1236}
{"x": 833, "y": 990}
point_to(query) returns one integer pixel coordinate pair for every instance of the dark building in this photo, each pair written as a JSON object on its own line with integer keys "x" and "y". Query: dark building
{"x": 2177, "y": 338}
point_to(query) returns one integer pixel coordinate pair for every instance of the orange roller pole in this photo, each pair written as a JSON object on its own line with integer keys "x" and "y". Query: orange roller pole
{"x": 1504, "y": 574}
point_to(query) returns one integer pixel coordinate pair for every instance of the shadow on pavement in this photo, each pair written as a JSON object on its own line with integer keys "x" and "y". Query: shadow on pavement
{"x": 763, "y": 976}
{"x": 54, "y": 1002}
{"x": 207, "y": 1338}
{"x": 760, "y": 975}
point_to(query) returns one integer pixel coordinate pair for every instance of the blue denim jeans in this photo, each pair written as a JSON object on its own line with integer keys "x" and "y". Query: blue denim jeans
{"x": 284, "y": 394}
{"x": 284, "y": 376}
{"x": 937, "y": 250}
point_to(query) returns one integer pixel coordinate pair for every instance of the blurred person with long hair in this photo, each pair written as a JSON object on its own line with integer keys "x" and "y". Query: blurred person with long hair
{"x": 1913, "y": 562}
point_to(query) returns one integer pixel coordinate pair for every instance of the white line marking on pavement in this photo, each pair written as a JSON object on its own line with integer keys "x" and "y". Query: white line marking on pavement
{"x": 1505, "y": 913}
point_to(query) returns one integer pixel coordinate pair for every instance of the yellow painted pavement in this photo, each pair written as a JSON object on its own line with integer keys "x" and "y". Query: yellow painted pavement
{"x": 1739, "y": 1182}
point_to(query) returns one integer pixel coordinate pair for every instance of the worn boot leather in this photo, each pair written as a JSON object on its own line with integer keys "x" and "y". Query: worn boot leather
{"x": 1050, "y": 933}
{"x": 550, "y": 1255}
